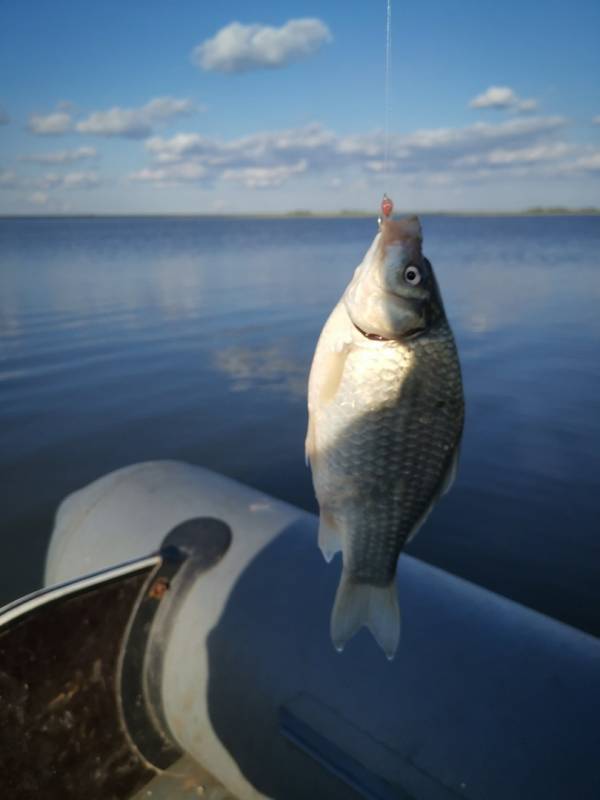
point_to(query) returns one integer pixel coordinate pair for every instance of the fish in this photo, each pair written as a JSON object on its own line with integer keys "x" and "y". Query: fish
{"x": 385, "y": 420}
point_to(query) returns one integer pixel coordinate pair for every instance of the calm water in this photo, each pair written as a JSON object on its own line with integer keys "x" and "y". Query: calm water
{"x": 131, "y": 339}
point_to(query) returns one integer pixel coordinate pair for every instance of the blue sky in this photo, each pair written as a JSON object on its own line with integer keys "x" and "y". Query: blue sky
{"x": 198, "y": 107}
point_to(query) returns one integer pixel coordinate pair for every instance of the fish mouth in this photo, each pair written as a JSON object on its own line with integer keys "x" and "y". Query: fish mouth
{"x": 411, "y": 333}
{"x": 374, "y": 337}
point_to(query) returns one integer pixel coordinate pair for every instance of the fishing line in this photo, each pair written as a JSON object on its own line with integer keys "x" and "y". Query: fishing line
{"x": 388, "y": 56}
{"x": 386, "y": 204}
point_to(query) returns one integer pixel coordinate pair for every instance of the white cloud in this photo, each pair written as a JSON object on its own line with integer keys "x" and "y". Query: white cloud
{"x": 61, "y": 156}
{"x": 531, "y": 148}
{"x": 596, "y": 120}
{"x": 185, "y": 172}
{"x": 51, "y": 180}
{"x": 527, "y": 105}
{"x": 135, "y": 123}
{"x": 269, "y": 158}
{"x": 377, "y": 167}
{"x": 38, "y": 198}
{"x": 180, "y": 146}
{"x": 241, "y": 48}
{"x": 291, "y": 144}
{"x": 81, "y": 180}
{"x": 166, "y": 107}
{"x": 72, "y": 180}
{"x": 495, "y": 97}
{"x": 502, "y": 97}
{"x": 590, "y": 162}
{"x": 264, "y": 177}
{"x": 501, "y": 157}
{"x": 479, "y": 136}
{"x": 50, "y": 124}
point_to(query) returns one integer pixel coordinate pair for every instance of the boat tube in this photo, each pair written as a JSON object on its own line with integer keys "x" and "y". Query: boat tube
{"x": 485, "y": 699}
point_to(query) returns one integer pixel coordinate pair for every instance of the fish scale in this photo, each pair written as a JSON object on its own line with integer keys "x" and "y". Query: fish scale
{"x": 393, "y": 451}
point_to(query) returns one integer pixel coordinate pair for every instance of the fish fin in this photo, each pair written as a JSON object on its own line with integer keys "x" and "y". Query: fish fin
{"x": 329, "y": 359}
{"x": 450, "y": 475}
{"x": 358, "y": 604}
{"x": 333, "y": 369}
{"x": 309, "y": 442}
{"x": 330, "y": 539}
{"x": 446, "y": 485}
{"x": 322, "y": 389}
{"x": 422, "y": 520}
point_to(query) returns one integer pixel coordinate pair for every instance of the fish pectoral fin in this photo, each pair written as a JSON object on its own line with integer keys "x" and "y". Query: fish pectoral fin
{"x": 330, "y": 539}
{"x": 322, "y": 390}
{"x": 309, "y": 442}
{"x": 332, "y": 369}
{"x": 450, "y": 475}
{"x": 376, "y": 607}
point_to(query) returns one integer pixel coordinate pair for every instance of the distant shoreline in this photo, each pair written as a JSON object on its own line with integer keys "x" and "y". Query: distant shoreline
{"x": 304, "y": 214}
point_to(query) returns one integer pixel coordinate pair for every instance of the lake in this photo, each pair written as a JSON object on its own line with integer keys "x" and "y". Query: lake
{"x": 128, "y": 339}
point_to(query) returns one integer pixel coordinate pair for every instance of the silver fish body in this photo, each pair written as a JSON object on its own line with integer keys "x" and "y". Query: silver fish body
{"x": 385, "y": 421}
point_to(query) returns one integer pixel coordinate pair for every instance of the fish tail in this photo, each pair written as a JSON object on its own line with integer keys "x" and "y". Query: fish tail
{"x": 330, "y": 540}
{"x": 376, "y": 607}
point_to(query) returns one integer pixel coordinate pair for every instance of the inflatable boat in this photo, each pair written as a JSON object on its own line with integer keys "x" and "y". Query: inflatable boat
{"x": 185, "y": 620}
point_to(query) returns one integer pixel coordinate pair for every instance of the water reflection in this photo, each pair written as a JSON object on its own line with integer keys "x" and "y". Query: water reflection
{"x": 122, "y": 340}
{"x": 271, "y": 368}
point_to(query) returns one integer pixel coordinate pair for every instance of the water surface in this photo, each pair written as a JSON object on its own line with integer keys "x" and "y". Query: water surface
{"x": 131, "y": 339}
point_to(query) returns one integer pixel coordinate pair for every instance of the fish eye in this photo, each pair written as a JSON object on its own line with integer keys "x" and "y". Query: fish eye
{"x": 412, "y": 275}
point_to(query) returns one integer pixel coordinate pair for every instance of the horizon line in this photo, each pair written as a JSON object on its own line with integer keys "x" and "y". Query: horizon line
{"x": 306, "y": 214}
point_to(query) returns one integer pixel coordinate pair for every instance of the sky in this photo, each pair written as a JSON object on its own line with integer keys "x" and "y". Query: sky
{"x": 201, "y": 107}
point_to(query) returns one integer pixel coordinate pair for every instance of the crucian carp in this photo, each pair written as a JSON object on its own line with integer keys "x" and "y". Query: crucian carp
{"x": 386, "y": 409}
